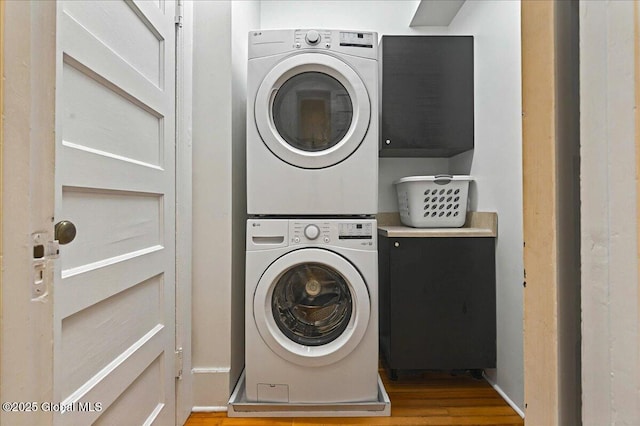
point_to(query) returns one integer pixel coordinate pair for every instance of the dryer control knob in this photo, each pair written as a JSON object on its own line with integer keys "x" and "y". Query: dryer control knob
{"x": 311, "y": 232}
{"x": 312, "y": 37}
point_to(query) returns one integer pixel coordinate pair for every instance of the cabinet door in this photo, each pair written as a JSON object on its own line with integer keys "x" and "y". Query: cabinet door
{"x": 427, "y": 96}
{"x": 442, "y": 303}
{"x": 384, "y": 297}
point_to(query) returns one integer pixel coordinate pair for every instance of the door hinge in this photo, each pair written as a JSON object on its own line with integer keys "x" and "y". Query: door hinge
{"x": 179, "y": 360}
{"x": 44, "y": 250}
{"x": 179, "y": 14}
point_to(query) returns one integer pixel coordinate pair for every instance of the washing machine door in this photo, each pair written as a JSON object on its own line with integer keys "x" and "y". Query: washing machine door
{"x": 312, "y": 307}
{"x": 312, "y": 110}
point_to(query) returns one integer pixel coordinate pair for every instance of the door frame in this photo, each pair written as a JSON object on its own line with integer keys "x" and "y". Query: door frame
{"x": 26, "y": 330}
{"x": 540, "y": 301}
{"x": 551, "y": 213}
{"x": 184, "y": 208}
{"x": 608, "y": 334}
{"x": 609, "y": 66}
{"x": 27, "y": 170}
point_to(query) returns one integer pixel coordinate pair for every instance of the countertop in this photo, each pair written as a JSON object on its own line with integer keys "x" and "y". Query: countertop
{"x": 477, "y": 224}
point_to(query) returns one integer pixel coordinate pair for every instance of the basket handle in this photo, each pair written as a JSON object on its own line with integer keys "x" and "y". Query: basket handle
{"x": 442, "y": 179}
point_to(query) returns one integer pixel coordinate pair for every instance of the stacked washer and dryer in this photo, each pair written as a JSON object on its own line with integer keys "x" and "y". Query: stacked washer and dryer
{"x": 311, "y": 313}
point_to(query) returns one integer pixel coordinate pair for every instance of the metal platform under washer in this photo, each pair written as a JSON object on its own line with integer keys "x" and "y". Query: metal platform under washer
{"x": 239, "y": 406}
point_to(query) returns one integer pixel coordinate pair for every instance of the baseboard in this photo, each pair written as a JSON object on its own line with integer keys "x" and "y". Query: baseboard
{"x": 210, "y": 388}
{"x": 209, "y": 409}
{"x": 504, "y": 396}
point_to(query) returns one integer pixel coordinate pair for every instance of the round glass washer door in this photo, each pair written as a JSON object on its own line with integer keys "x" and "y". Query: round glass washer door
{"x": 312, "y": 110}
{"x": 311, "y": 307}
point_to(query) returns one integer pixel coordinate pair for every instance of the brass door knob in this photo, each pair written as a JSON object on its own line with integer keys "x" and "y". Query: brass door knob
{"x": 65, "y": 232}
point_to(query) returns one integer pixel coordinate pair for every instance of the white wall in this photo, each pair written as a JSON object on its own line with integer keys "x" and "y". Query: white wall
{"x": 212, "y": 210}
{"x": 245, "y": 16}
{"x": 219, "y": 200}
{"x": 497, "y": 159}
{"x": 497, "y": 168}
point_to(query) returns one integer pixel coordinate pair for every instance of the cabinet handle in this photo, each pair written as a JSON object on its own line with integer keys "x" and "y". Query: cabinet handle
{"x": 396, "y": 244}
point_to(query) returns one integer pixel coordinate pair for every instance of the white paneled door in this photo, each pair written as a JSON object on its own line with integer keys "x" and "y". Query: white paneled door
{"x": 114, "y": 289}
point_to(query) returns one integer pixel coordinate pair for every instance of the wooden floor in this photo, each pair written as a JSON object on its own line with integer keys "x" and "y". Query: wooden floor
{"x": 426, "y": 399}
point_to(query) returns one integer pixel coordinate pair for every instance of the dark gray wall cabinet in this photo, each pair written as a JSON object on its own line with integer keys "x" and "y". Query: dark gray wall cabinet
{"x": 437, "y": 303}
{"x": 426, "y": 96}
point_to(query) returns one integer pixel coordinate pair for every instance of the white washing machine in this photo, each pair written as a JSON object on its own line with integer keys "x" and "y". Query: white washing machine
{"x": 311, "y": 311}
{"x": 312, "y": 122}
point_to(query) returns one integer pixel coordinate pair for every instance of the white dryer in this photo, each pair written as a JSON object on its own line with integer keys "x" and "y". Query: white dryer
{"x": 312, "y": 122}
{"x": 311, "y": 318}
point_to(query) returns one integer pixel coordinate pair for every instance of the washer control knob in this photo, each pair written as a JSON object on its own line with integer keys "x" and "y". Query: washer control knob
{"x": 296, "y": 240}
{"x": 312, "y": 37}
{"x": 311, "y": 232}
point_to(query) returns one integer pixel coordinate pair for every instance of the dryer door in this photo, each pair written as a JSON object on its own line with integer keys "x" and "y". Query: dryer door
{"x": 312, "y": 110}
{"x": 311, "y": 307}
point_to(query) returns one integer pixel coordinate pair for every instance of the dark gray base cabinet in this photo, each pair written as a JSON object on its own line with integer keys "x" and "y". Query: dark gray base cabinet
{"x": 437, "y": 303}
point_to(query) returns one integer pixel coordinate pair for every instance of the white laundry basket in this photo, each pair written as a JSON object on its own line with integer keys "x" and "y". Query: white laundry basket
{"x": 433, "y": 201}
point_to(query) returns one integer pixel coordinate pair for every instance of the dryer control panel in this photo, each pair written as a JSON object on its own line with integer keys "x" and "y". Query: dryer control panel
{"x": 264, "y": 43}
{"x": 304, "y": 38}
{"x": 357, "y": 39}
{"x": 352, "y": 233}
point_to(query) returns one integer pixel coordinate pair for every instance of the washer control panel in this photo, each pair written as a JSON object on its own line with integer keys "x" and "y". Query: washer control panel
{"x": 313, "y": 37}
{"x": 356, "y": 233}
{"x": 311, "y": 232}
